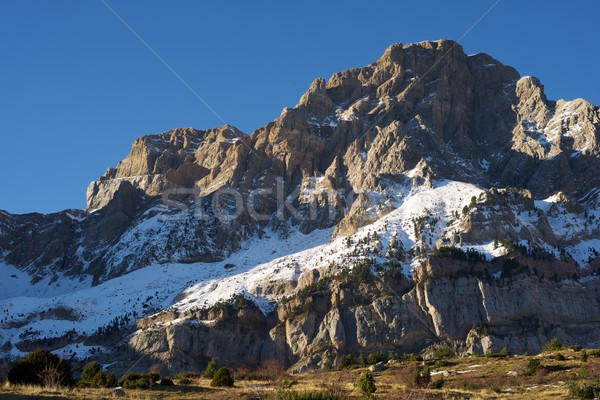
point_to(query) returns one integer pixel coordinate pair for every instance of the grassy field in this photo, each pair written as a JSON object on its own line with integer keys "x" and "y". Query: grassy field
{"x": 452, "y": 378}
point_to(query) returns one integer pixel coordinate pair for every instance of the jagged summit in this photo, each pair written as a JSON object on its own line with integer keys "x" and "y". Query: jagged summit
{"x": 435, "y": 170}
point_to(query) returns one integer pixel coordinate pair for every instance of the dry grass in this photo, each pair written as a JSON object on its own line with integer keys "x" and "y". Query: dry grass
{"x": 464, "y": 378}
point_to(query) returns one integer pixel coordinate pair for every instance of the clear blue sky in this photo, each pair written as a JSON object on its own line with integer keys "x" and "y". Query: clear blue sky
{"x": 76, "y": 87}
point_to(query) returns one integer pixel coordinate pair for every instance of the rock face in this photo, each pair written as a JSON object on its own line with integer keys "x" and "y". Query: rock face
{"x": 349, "y": 156}
{"x": 424, "y": 110}
{"x": 521, "y": 310}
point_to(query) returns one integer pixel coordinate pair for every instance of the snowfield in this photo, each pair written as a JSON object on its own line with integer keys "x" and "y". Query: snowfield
{"x": 51, "y": 310}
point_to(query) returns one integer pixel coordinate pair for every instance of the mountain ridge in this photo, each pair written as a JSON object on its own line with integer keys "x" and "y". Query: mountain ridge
{"x": 426, "y": 149}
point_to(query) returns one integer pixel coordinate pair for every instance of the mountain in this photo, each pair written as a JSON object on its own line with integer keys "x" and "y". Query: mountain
{"x": 429, "y": 196}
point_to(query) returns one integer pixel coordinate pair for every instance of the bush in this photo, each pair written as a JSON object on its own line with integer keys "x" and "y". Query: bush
{"x": 222, "y": 378}
{"x": 93, "y": 376}
{"x": 584, "y": 356}
{"x": 419, "y": 378}
{"x": 504, "y": 352}
{"x": 585, "y": 391}
{"x": 348, "y": 361}
{"x": 183, "y": 378}
{"x": 99, "y": 380}
{"x": 211, "y": 368}
{"x": 43, "y": 368}
{"x": 553, "y": 345}
{"x": 90, "y": 371}
{"x": 412, "y": 357}
{"x": 133, "y": 380}
{"x": 166, "y": 382}
{"x": 111, "y": 380}
{"x": 366, "y": 384}
{"x": 558, "y": 357}
{"x": 438, "y": 383}
{"x": 374, "y": 358}
{"x": 533, "y": 365}
{"x": 443, "y": 352}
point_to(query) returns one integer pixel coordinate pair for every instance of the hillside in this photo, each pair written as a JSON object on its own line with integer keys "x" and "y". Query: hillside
{"x": 395, "y": 207}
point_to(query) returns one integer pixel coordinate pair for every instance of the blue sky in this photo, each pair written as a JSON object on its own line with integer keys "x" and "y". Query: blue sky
{"x": 76, "y": 87}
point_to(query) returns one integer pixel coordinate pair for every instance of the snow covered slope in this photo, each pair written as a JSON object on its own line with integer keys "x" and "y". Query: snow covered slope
{"x": 77, "y": 310}
{"x": 30, "y": 312}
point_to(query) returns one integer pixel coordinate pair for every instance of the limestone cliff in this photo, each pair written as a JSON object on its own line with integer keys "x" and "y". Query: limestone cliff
{"x": 468, "y": 194}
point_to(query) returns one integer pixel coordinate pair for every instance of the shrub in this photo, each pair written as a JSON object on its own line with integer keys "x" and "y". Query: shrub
{"x": 584, "y": 356}
{"x": 134, "y": 380}
{"x": 559, "y": 357}
{"x": 504, "y": 352}
{"x": 419, "y": 378}
{"x": 222, "y": 378}
{"x": 584, "y": 392}
{"x": 438, "y": 383}
{"x": 374, "y": 358}
{"x": 362, "y": 360}
{"x": 443, "y": 352}
{"x": 41, "y": 367}
{"x": 411, "y": 357}
{"x": 99, "y": 380}
{"x": 166, "y": 382}
{"x": 533, "y": 365}
{"x": 348, "y": 361}
{"x": 111, "y": 380}
{"x": 183, "y": 378}
{"x": 211, "y": 368}
{"x": 90, "y": 371}
{"x": 366, "y": 384}
{"x": 94, "y": 376}
{"x": 553, "y": 345}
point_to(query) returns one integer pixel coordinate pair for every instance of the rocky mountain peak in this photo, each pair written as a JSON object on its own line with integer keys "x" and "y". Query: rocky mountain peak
{"x": 432, "y": 169}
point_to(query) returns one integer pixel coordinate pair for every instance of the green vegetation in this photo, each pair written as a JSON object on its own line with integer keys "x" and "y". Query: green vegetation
{"x": 134, "y": 380}
{"x": 438, "y": 383}
{"x": 237, "y": 302}
{"x": 43, "y": 368}
{"x": 210, "y": 370}
{"x": 348, "y": 361}
{"x": 419, "y": 378}
{"x": 533, "y": 365}
{"x": 553, "y": 345}
{"x": 185, "y": 378}
{"x": 94, "y": 377}
{"x": 222, "y": 378}
{"x": 456, "y": 253}
{"x": 90, "y": 370}
{"x": 443, "y": 351}
{"x": 586, "y": 391}
{"x": 584, "y": 356}
{"x": 366, "y": 384}
{"x": 531, "y": 380}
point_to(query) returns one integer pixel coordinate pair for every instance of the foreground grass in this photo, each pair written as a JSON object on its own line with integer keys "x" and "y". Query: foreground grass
{"x": 463, "y": 378}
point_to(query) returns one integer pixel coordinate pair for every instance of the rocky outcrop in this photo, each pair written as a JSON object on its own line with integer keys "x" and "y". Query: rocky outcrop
{"x": 175, "y": 159}
{"x": 423, "y": 111}
{"x": 515, "y": 301}
{"x": 349, "y": 153}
